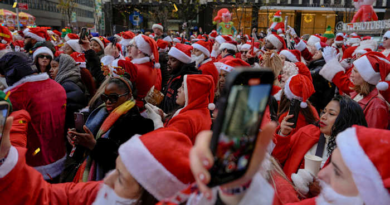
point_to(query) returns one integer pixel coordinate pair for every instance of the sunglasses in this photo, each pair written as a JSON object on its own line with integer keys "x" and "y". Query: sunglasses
{"x": 244, "y": 52}
{"x": 112, "y": 97}
{"x": 44, "y": 56}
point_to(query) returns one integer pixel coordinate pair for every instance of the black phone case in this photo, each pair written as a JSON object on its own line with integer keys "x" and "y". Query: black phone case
{"x": 233, "y": 78}
{"x": 295, "y": 107}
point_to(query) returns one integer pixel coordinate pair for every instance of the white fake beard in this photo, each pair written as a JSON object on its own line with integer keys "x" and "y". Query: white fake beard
{"x": 107, "y": 196}
{"x": 197, "y": 59}
{"x": 329, "y": 197}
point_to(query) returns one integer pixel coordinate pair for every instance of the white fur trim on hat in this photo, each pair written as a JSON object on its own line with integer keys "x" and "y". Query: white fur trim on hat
{"x": 41, "y": 50}
{"x": 179, "y": 55}
{"x": 364, "y": 173}
{"x": 158, "y": 26}
{"x": 125, "y": 42}
{"x": 313, "y": 40}
{"x": 220, "y": 39}
{"x": 289, "y": 56}
{"x": 365, "y": 69}
{"x": 168, "y": 39}
{"x": 143, "y": 166}
{"x": 98, "y": 41}
{"x": 387, "y": 34}
{"x": 330, "y": 69}
{"x": 300, "y": 46}
{"x": 275, "y": 41}
{"x": 202, "y": 49}
{"x": 228, "y": 46}
{"x": 27, "y": 32}
{"x": 143, "y": 45}
{"x": 226, "y": 68}
{"x": 287, "y": 90}
{"x": 74, "y": 44}
{"x": 245, "y": 47}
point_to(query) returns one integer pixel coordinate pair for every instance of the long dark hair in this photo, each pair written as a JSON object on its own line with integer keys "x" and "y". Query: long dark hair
{"x": 350, "y": 114}
{"x": 306, "y": 112}
{"x": 39, "y": 67}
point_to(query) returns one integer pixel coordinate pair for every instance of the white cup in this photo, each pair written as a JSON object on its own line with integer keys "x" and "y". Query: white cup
{"x": 313, "y": 164}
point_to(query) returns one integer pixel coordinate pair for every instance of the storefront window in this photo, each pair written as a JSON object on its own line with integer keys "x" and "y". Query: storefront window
{"x": 313, "y": 23}
{"x": 265, "y": 18}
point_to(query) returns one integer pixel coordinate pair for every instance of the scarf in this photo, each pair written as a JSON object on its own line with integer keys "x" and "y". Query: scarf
{"x": 68, "y": 70}
{"x": 90, "y": 170}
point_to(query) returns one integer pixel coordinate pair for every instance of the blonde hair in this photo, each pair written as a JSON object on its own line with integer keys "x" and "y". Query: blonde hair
{"x": 99, "y": 92}
{"x": 364, "y": 89}
{"x": 272, "y": 60}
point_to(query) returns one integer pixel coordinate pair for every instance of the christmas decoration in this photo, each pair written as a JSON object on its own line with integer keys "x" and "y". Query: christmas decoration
{"x": 365, "y": 11}
{"x": 224, "y": 24}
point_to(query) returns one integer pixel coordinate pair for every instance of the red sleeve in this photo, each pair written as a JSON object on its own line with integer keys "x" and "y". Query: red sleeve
{"x": 24, "y": 185}
{"x": 342, "y": 82}
{"x": 19, "y": 128}
{"x": 376, "y": 114}
{"x": 306, "y": 54}
{"x": 282, "y": 147}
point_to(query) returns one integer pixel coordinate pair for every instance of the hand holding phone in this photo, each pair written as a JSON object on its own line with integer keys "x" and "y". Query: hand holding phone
{"x": 295, "y": 108}
{"x": 4, "y": 112}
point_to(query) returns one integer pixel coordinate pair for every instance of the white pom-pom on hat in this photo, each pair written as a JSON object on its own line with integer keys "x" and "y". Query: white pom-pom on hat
{"x": 211, "y": 106}
{"x": 382, "y": 85}
{"x": 303, "y": 105}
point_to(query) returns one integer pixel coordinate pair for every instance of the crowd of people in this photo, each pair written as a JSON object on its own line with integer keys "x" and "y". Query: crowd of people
{"x": 126, "y": 119}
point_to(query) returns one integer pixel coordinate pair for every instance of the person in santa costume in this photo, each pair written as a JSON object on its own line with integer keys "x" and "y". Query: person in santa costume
{"x": 34, "y": 35}
{"x": 228, "y": 51}
{"x": 71, "y": 36}
{"x": 42, "y": 57}
{"x": 146, "y": 59}
{"x": 339, "y": 43}
{"x": 6, "y": 36}
{"x": 98, "y": 44}
{"x": 127, "y": 36}
{"x": 179, "y": 64}
{"x": 158, "y": 32}
{"x": 145, "y": 173}
{"x": 249, "y": 52}
{"x": 386, "y": 45}
{"x": 274, "y": 42}
{"x": 33, "y": 92}
{"x": 277, "y": 23}
{"x": 195, "y": 99}
{"x": 365, "y": 75}
{"x": 201, "y": 56}
{"x": 219, "y": 40}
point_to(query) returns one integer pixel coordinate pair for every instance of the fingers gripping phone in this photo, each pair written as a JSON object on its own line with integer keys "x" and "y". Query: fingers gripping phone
{"x": 79, "y": 122}
{"x": 241, "y": 110}
{"x": 82, "y": 35}
{"x": 4, "y": 112}
{"x": 295, "y": 107}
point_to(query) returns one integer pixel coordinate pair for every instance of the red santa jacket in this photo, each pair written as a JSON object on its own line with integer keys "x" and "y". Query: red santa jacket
{"x": 301, "y": 122}
{"x": 195, "y": 115}
{"x": 226, "y": 58}
{"x": 147, "y": 76}
{"x": 19, "y": 128}
{"x": 284, "y": 190}
{"x": 24, "y": 185}
{"x": 45, "y": 101}
{"x": 290, "y": 150}
{"x": 208, "y": 68}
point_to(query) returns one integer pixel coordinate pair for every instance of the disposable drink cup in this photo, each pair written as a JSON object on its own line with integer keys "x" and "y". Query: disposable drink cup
{"x": 313, "y": 164}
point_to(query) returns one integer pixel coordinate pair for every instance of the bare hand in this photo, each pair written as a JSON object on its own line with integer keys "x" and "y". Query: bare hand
{"x": 285, "y": 127}
{"x": 84, "y": 139}
{"x": 85, "y": 44}
{"x": 111, "y": 50}
{"x": 5, "y": 141}
{"x": 201, "y": 159}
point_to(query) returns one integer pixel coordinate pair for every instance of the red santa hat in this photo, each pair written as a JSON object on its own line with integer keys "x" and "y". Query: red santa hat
{"x": 39, "y": 34}
{"x": 230, "y": 45}
{"x": 158, "y": 25}
{"x": 365, "y": 38}
{"x": 148, "y": 46}
{"x": 5, "y": 34}
{"x": 387, "y": 34}
{"x": 204, "y": 47}
{"x": 367, "y": 45}
{"x": 277, "y": 41}
{"x": 278, "y": 14}
{"x": 126, "y": 38}
{"x": 79, "y": 58}
{"x": 223, "y": 39}
{"x": 354, "y": 39}
{"x": 299, "y": 87}
{"x": 292, "y": 55}
{"x": 103, "y": 42}
{"x": 365, "y": 152}
{"x": 313, "y": 39}
{"x": 247, "y": 46}
{"x": 210, "y": 69}
{"x": 370, "y": 65}
{"x": 74, "y": 44}
{"x": 197, "y": 87}
{"x": 42, "y": 50}
{"x": 177, "y": 40}
{"x": 71, "y": 36}
{"x": 199, "y": 38}
{"x": 320, "y": 45}
{"x": 181, "y": 52}
{"x": 167, "y": 165}
{"x": 229, "y": 65}
{"x": 162, "y": 45}
{"x": 348, "y": 52}
{"x": 303, "y": 70}
{"x": 3, "y": 46}
{"x": 57, "y": 33}
{"x": 168, "y": 39}
{"x": 213, "y": 34}
{"x": 339, "y": 38}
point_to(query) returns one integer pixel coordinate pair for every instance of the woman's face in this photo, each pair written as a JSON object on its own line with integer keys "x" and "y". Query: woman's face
{"x": 173, "y": 64}
{"x": 338, "y": 176}
{"x": 222, "y": 76}
{"x": 43, "y": 60}
{"x": 197, "y": 52}
{"x": 356, "y": 78}
{"x": 96, "y": 46}
{"x": 180, "y": 97}
{"x": 68, "y": 50}
{"x": 121, "y": 181}
{"x": 113, "y": 92}
{"x": 54, "y": 69}
{"x": 328, "y": 117}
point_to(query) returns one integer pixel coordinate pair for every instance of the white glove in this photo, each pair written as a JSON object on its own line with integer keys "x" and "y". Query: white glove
{"x": 302, "y": 179}
{"x": 329, "y": 53}
{"x": 154, "y": 116}
{"x": 291, "y": 31}
{"x": 156, "y": 109}
{"x": 344, "y": 63}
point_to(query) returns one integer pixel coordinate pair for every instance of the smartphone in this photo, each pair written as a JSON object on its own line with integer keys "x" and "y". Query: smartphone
{"x": 82, "y": 35}
{"x": 240, "y": 112}
{"x": 4, "y": 109}
{"x": 295, "y": 107}
{"x": 79, "y": 121}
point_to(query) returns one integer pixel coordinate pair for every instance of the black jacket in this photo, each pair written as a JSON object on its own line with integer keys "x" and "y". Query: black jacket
{"x": 75, "y": 101}
{"x": 163, "y": 60}
{"x": 170, "y": 91}
{"x": 325, "y": 90}
{"x": 94, "y": 66}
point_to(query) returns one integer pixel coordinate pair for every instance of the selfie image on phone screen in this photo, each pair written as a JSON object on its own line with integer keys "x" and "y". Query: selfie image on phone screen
{"x": 237, "y": 139}
{"x": 3, "y": 119}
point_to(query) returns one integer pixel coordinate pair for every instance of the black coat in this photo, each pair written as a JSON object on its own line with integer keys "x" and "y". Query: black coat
{"x": 75, "y": 101}
{"x": 170, "y": 91}
{"x": 93, "y": 64}
{"x": 163, "y": 60}
{"x": 325, "y": 90}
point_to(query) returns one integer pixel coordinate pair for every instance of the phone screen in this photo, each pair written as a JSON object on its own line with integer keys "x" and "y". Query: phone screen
{"x": 3, "y": 119}
{"x": 245, "y": 107}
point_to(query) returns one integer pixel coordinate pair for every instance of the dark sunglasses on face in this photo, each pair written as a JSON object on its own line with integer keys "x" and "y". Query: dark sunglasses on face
{"x": 44, "y": 56}
{"x": 112, "y": 97}
{"x": 244, "y": 52}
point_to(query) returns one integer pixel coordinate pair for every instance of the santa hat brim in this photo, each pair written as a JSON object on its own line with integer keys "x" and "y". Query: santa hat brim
{"x": 366, "y": 70}
{"x": 125, "y": 42}
{"x": 228, "y": 46}
{"x": 179, "y": 55}
{"x": 27, "y": 32}
{"x": 275, "y": 41}
{"x": 158, "y": 26}
{"x": 220, "y": 39}
{"x": 387, "y": 34}
{"x": 313, "y": 40}
{"x": 289, "y": 56}
{"x": 42, "y": 50}
{"x": 98, "y": 41}
{"x": 202, "y": 49}
{"x": 143, "y": 166}
{"x": 74, "y": 44}
{"x": 364, "y": 173}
